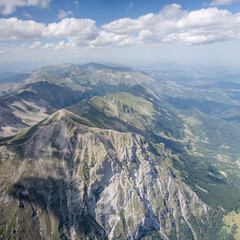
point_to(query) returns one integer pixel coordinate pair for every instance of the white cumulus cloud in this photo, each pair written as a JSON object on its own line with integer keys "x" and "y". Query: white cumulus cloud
{"x": 171, "y": 24}
{"x": 16, "y": 29}
{"x": 70, "y": 28}
{"x": 109, "y": 39}
{"x": 9, "y": 6}
{"x": 78, "y": 31}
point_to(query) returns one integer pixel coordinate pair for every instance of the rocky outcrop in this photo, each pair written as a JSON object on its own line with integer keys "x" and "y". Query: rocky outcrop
{"x": 74, "y": 181}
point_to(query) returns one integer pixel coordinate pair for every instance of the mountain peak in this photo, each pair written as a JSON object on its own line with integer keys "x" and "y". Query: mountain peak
{"x": 91, "y": 182}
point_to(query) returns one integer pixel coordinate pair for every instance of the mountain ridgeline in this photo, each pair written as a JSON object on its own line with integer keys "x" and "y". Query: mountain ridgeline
{"x": 104, "y": 152}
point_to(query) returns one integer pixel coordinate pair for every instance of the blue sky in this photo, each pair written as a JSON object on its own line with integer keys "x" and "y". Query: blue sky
{"x": 104, "y": 11}
{"x": 34, "y": 32}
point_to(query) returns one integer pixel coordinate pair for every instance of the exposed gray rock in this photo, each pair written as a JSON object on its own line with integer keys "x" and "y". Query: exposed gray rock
{"x": 88, "y": 183}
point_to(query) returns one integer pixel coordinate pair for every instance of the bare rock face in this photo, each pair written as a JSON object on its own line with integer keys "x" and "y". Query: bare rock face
{"x": 71, "y": 181}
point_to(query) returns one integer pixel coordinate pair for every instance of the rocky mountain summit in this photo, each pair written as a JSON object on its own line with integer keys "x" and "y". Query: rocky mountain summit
{"x": 68, "y": 179}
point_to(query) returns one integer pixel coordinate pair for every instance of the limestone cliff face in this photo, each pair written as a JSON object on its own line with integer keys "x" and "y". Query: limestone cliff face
{"x": 67, "y": 180}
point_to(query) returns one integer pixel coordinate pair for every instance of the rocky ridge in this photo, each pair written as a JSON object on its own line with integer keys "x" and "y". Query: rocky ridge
{"x": 76, "y": 181}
